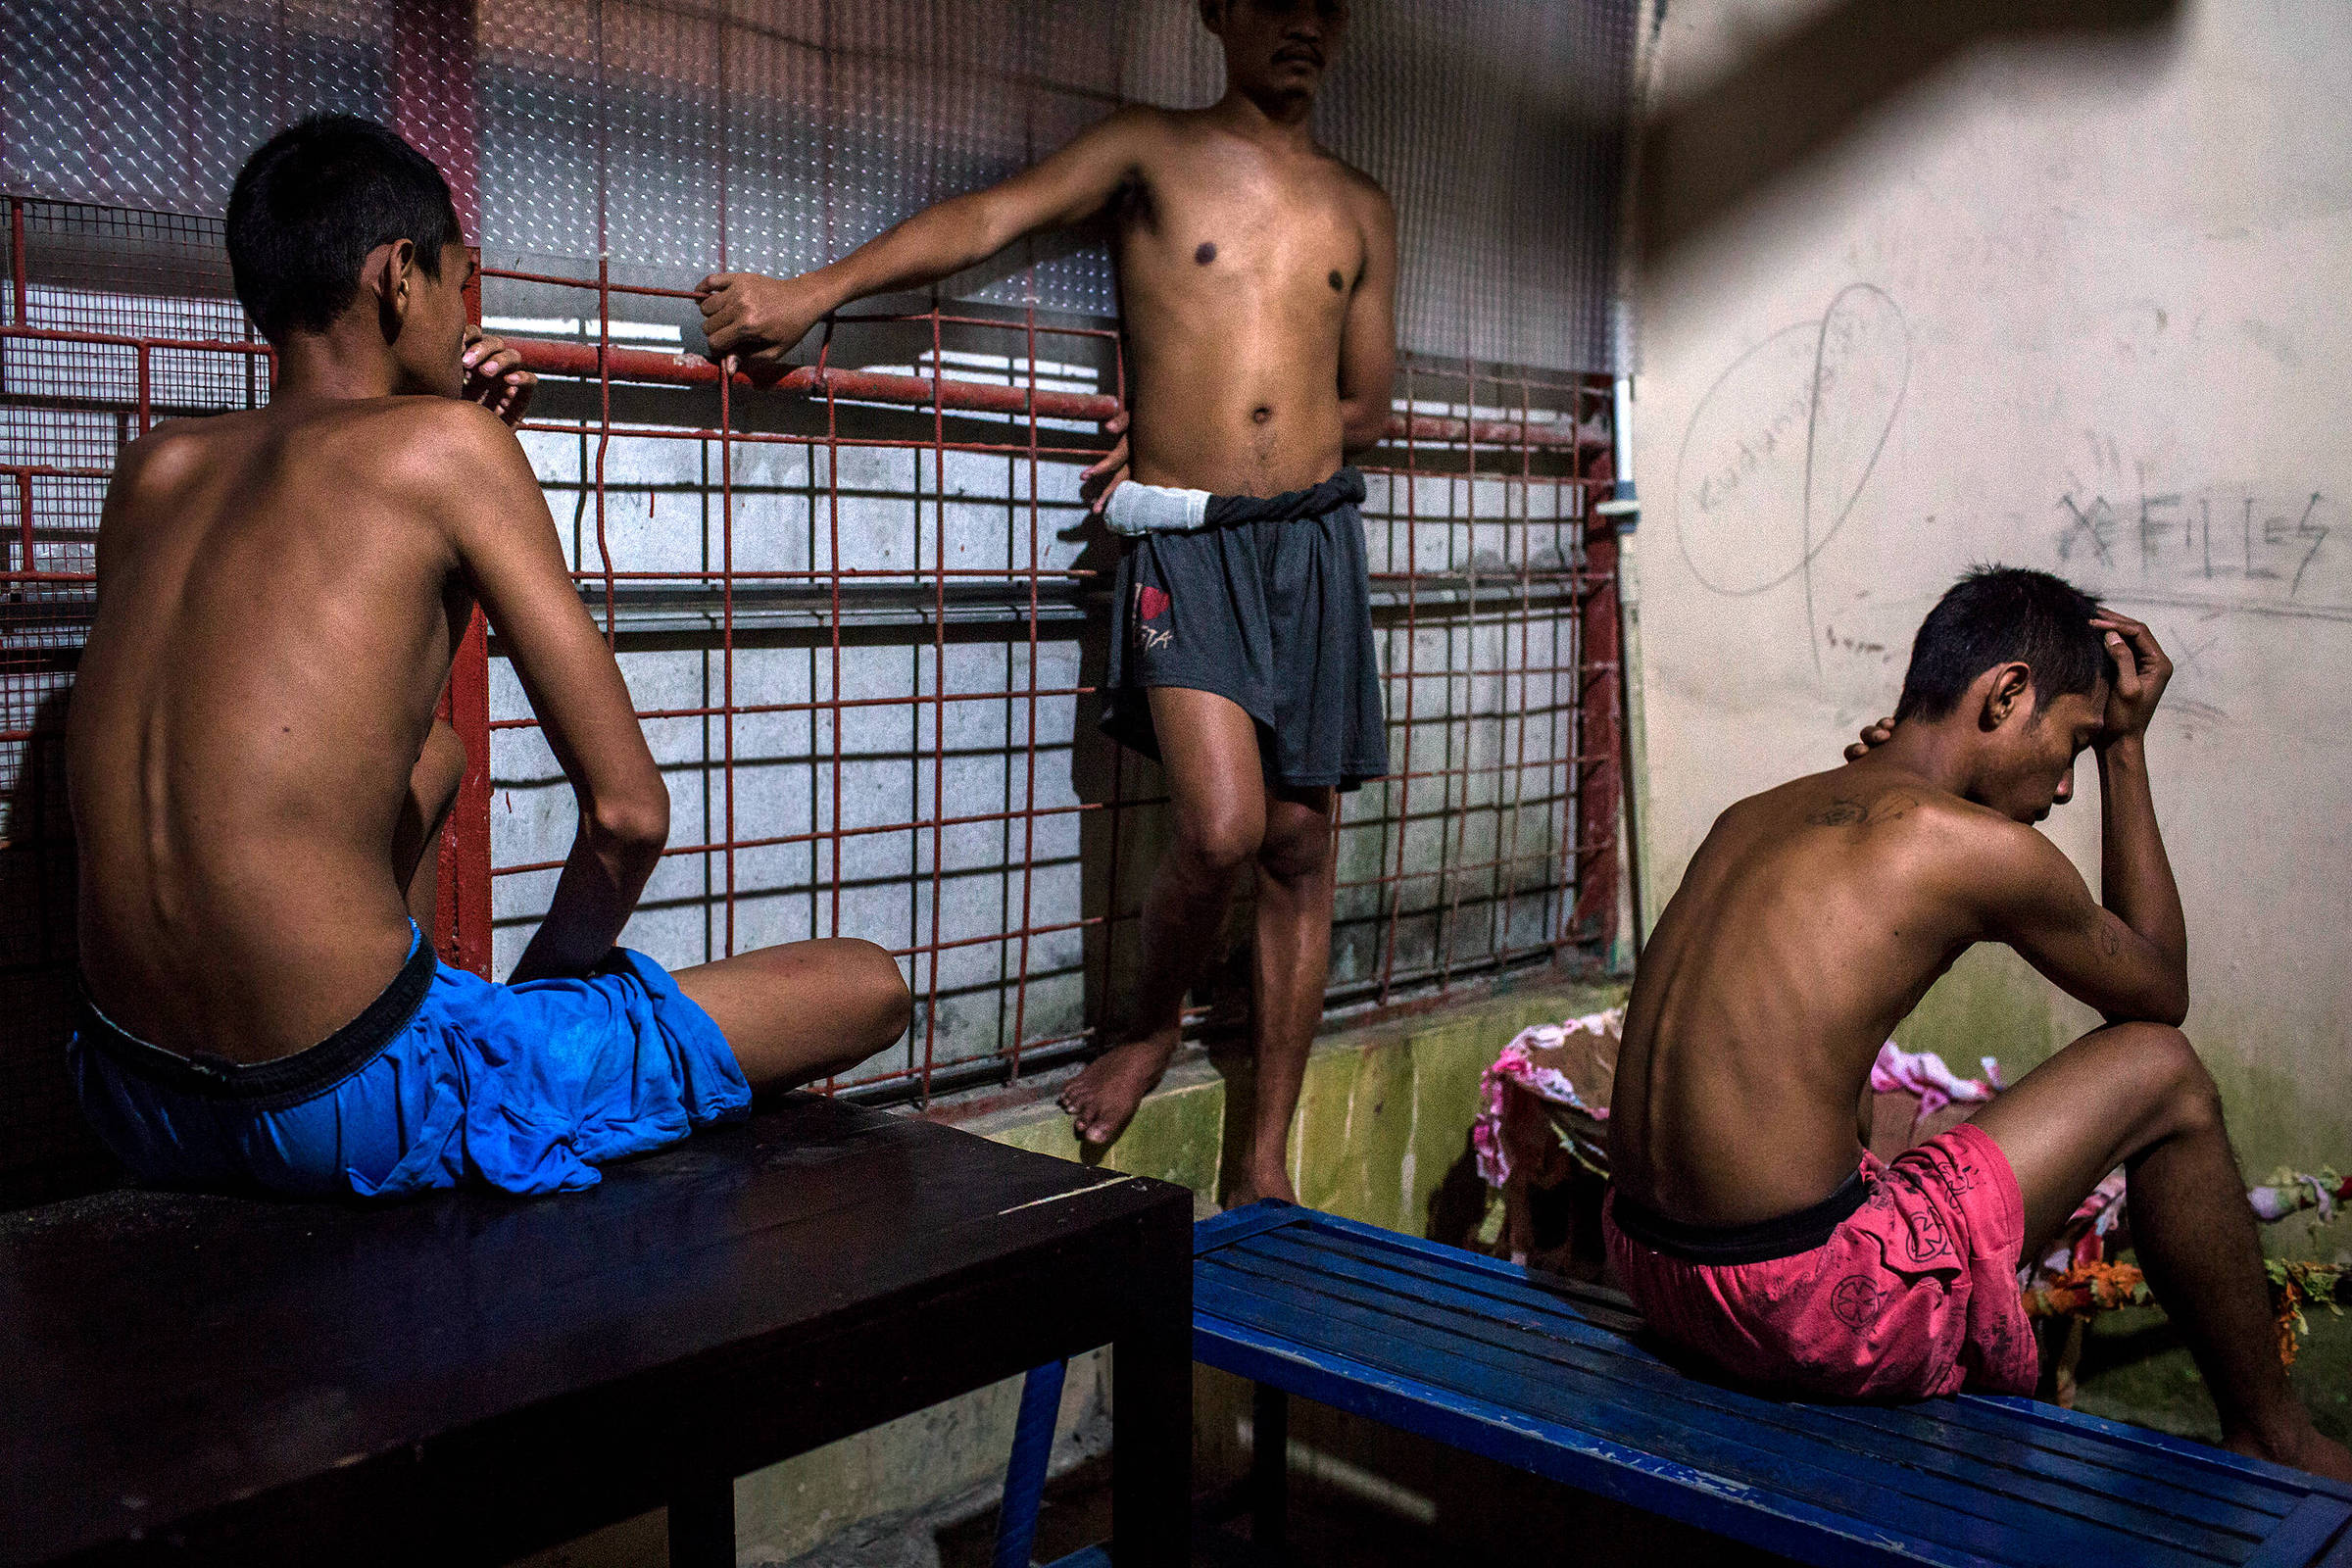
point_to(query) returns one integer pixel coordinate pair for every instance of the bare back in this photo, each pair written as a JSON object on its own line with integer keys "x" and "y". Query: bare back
{"x": 1810, "y": 923}
{"x": 1239, "y": 265}
{"x": 276, "y": 611}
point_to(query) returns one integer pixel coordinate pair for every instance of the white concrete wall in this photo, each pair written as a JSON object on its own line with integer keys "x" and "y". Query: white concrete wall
{"x": 2067, "y": 297}
{"x": 1490, "y": 721}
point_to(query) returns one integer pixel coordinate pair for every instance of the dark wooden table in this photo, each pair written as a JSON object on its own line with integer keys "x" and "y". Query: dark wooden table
{"x": 467, "y": 1377}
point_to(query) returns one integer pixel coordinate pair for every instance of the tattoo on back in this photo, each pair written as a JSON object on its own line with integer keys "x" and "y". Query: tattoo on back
{"x": 1842, "y": 813}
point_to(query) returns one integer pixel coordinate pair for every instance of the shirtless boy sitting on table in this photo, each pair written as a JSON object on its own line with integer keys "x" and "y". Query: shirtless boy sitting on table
{"x": 1258, "y": 278}
{"x": 258, "y": 779}
{"x": 1746, "y": 1219}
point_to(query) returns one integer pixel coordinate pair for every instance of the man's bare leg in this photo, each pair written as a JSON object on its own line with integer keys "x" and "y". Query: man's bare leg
{"x": 803, "y": 1010}
{"x": 1294, "y": 960}
{"x": 1216, "y": 786}
{"x": 2137, "y": 1096}
{"x": 416, "y": 837}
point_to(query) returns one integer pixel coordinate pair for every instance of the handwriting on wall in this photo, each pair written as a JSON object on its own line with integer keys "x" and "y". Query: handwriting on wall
{"x": 2273, "y": 549}
{"x": 1778, "y": 451}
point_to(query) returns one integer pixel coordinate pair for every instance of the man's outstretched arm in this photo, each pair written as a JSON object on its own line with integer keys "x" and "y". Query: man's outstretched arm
{"x": 2126, "y": 956}
{"x": 506, "y": 545}
{"x": 761, "y": 318}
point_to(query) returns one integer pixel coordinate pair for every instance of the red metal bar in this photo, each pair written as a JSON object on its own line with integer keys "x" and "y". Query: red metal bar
{"x": 461, "y": 893}
{"x": 1020, "y": 1001}
{"x": 1450, "y": 890}
{"x": 19, "y": 280}
{"x": 1595, "y": 912}
{"x": 1402, "y": 791}
{"x": 661, "y": 366}
{"x": 939, "y": 683}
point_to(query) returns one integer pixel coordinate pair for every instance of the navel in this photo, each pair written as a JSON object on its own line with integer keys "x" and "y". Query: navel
{"x": 1207, "y": 254}
{"x": 1336, "y": 284}
{"x": 1261, "y": 414}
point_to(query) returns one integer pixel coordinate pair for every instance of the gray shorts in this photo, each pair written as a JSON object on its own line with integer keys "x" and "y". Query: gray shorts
{"x": 1270, "y": 605}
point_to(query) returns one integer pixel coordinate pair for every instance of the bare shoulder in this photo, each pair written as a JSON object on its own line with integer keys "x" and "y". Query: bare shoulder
{"x": 173, "y": 453}
{"x": 432, "y": 446}
{"x": 1969, "y": 847}
{"x": 1137, "y": 127}
{"x": 1361, "y": 186}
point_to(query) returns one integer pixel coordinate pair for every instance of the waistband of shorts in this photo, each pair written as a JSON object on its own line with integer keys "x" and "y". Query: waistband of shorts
{"x": 1782, "y": 1235}
{"x": 287, "y": 1080}
{"x": 1343, "y": 488}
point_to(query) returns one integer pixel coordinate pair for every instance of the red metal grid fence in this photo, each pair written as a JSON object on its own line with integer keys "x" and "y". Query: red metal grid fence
{"x": 1492, "y": 847}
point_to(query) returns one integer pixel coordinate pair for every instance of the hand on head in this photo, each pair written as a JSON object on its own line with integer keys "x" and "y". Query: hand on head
{"x": 757, "y": 319}
{"x": 1099, "y": 479}
{"x": 2141, "y": 673}
{"x": 495, "y": 378}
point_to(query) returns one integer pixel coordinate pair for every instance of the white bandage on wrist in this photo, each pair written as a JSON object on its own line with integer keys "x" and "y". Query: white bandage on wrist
{"x": 1140, "y": 508}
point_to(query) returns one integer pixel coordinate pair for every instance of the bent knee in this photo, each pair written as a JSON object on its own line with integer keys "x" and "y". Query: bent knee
{"x": 2173, "y": 1076}
{"x": 881, "y": 1005}
{"x": 1220, "y": 841}
{"x": 1300, "y": 855}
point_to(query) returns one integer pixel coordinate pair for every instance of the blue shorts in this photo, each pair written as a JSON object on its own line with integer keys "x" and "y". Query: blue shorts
{"x": 443, "y": 1078}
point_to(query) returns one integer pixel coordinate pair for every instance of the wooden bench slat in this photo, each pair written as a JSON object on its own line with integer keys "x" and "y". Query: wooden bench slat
{"x": 1590, "y": 1463}
{"x": 2112, "y": 1446}
{"x": 2183, "y": 1520}
{"x": 2306, "y": 1533}
{"x": 467, "y": 1377}
{"x": 1543, "y": 1375}
{"x": 2250, "y": 1508}
{"x": 1725, "y": 1451}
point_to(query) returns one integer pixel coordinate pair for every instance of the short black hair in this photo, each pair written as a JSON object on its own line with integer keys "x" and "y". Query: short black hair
{"x": 1996, "y": 615}
{"x": 311, "y": 203}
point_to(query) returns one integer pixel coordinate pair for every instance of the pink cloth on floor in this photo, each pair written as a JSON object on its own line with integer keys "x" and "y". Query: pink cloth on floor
{"x": 1914, "y": 1294}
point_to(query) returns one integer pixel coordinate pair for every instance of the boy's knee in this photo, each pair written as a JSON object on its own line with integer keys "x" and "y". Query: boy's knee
{"x": 883, "y": 1003}
{"x": 2175, "y": 1077}
{"x": 1222, "y": 840}
{"x": 1299, "y": 854}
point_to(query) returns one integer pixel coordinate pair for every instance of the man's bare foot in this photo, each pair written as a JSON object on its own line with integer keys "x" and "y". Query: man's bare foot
{"x": 2309, "y": 1450}
{"x": 1274, "y": 1183}
{"x": 1103, "y": 1099}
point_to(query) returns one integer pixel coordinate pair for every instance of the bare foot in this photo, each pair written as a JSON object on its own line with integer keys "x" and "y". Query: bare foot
{"x": 1274, "y": 1184}
{"x": 2320, "y": 1457}
{"x": 1103, "y": 1099}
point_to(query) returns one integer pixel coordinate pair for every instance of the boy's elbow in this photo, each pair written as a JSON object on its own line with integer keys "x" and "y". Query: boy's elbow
{"x": 1362, "y": 427}
{"x": 634, "y": 825}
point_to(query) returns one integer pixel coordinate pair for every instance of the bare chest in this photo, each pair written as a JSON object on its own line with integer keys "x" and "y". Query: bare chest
{"x": 1215, "y": 223}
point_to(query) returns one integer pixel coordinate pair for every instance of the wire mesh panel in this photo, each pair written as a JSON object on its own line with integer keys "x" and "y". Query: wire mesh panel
{"x": 862, "y": 613}
{"x": 110, "y": 321}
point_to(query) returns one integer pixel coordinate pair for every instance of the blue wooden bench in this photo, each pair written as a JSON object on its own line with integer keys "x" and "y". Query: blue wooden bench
{"x": 1550, "y": 1376}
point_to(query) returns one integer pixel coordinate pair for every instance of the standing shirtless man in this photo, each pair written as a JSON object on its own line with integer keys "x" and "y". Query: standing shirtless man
{"x": 1746, "y": 1219}
{"x": 1259, "y": 276}
{"x": 258, "y": 780}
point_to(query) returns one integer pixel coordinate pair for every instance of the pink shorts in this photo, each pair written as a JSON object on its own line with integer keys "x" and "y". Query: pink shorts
{"x": 1913, "y": 1293}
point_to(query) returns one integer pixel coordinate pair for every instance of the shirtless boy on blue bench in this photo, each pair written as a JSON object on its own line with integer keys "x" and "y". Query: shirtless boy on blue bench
{"x": 1748, "y": 1220}
{"x": 258, "y": 779}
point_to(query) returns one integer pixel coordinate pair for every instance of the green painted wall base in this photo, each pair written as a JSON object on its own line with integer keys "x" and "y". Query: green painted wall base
{"x": 1384, "y": 1118}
